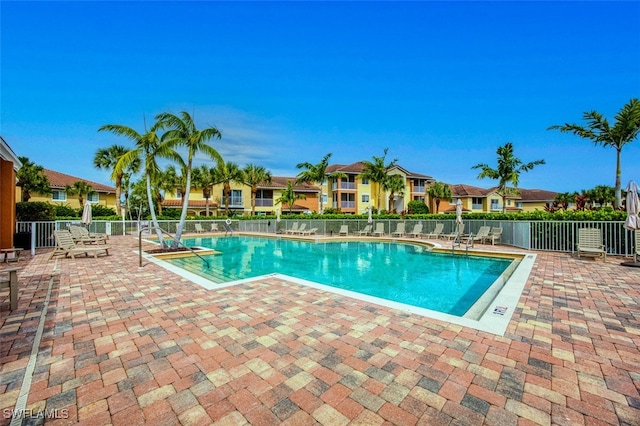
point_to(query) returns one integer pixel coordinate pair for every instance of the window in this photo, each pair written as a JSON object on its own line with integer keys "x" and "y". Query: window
{"x": 365, "y": 181}
{"x": 495, "y": 204}
{"x": 476, "y": 203}
{"x": 179, "y": 193}
{"x": 93, "y": 198}
{"x": 59, "y": 196}
{"x": 325, "y": 198}
{"x": 365, "y": 198}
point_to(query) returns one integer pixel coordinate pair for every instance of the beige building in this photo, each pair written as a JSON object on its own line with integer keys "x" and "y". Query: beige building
{"x": 103, "y": 195}
{"x": 240, "y": 199}
{"x": 481, "y": 200}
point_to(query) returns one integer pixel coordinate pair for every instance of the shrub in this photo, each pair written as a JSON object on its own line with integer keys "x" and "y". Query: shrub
{"x": 34, "y": 210}
{"x": 99, "y": 211}
{"x": 417, "y": 207}
{"x": 65, "y": 211}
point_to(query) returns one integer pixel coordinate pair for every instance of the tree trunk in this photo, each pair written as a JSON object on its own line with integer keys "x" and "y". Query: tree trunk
{"x": 618, "y": 184}
{"x": 154, "y": 218}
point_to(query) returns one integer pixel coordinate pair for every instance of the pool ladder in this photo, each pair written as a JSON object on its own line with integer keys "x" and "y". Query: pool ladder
{"x": 457, "y": 241}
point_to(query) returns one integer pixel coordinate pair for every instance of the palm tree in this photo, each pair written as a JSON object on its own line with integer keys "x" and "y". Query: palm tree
{"x": 376, "y": 171}
{"x": 317, "y": 173}
{"x": 253, "y": 176}
{"x": 183, "y": 132}
{"x": 439, "y": 191}
{"x": 598, "y": 130}
{"x": 106, "y": 159}
{"x": 226, "y": 173}
{"x": 148, "y": 150}
{"x": 508, "y": 171}
{"x": 204, "y": 177}
{"x": 564, "y": 199}
{"x": 394, "y": 184}
{"x": 289, "y": 196}
{"x": 80, "y": 188}
{"x": 31, "y": 178}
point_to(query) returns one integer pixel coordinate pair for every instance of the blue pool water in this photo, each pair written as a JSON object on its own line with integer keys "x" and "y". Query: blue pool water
{"x": 404, "y": 273}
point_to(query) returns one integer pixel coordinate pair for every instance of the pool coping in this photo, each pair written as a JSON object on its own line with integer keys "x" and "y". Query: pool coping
{"x": 495, "y": 319}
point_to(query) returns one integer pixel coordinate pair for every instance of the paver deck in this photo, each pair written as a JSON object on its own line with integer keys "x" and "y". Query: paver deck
{"x": 126, "y": 345}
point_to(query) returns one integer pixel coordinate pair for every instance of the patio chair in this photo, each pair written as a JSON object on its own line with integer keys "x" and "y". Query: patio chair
{"x": 437, "y": 231}
{"x": 399, "y": 232}
{"x": 311, "y": 231}
{"x": 12, "y": 285}
{"x": 459, "y": 231}
{"x": 199, "y": 228}
{"x": 417, "y": 231}
{"x": 65, "y": 245}
{"x": 379, "y": 231}
{"x": 301, "y": 229}
{"x": 636, "y": 255}
{"x": 80, "y": 235}
{"x": 344, "y": 230}
{"x": 483, "y": 232}
{"x": 214, "y": 227}
{"x": 590, "y": 243}
{"x": 293, "y": 229}
{"x": 365, "y": 231}
{"x": 495, "y": 236}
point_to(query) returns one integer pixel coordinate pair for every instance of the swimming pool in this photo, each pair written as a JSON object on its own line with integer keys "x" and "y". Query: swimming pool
{"x": 409, "y": 274}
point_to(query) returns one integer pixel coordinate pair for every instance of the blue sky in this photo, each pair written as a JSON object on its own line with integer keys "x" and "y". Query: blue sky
{"x": 441, "y": 84}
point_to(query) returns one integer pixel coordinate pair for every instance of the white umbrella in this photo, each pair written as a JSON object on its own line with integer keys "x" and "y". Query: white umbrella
{"x": 370, "y": 219}
{"x": 86, "y": 214}
{"x": 459, "y": 211}
{"x": 632, "y": 223}
{"x": 278, "y": 215}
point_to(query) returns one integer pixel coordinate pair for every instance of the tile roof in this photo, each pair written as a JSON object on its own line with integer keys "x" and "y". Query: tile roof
{"x": 61, "y": 180}
{"x": 192, "y": 203}
{"x": 280, "y": 182}
{"x": 462, "y": 190}
{"x": 537, "y": 195}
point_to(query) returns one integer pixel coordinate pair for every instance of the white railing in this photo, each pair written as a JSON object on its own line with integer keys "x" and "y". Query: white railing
{"x": 557, "y": 236}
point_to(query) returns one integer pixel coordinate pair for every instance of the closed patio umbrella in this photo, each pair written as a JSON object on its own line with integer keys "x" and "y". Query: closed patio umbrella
{"x": 632, "y": 223}
{"x": 86, "y": 214}
{"x": 370, "y": 219}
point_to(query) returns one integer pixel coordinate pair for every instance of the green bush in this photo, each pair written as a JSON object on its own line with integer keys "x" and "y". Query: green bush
{"x": 101, "y": 211}
{"x": 417, "y": 207}
{"x": 65, "y": 211}
{"x": 34, "y": 210}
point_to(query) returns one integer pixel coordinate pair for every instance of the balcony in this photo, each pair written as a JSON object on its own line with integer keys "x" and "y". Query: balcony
{"x": 264, "y": 202}
{"x": 419, "y": 189}
{"x": 344, "y": 185}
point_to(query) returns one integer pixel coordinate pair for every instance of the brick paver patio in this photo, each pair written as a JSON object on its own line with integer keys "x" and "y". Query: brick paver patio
{"x": 125, "y": 345}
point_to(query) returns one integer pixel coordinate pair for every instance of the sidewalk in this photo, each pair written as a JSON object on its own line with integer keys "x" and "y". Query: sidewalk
{"x": 126, "y": 345}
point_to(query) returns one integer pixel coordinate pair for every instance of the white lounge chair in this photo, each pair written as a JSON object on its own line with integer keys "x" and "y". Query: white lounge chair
{"x": 65, "y": 245}
{"x": 483, "y": 232}
{"x": 344, "y": 230}
{"x": 590, "y": 243}
{"x": 365, "y": 231}
{"x": 437, "y": 231}
{"x": 199, "y": 228}
{"x": 301, "y": 229}
{"x": 80, "y": 235}
{"x": 459, "y": 231}
{"x": 399, "y": 232}
{"x": 417, "y": 231}
{"x": 495, "y": 236}
{"x": 293, "y": 229}
{"x": 311, "y": 231}
{"x": 379, "y": 231}
{"x": 636, "y": 255}
{"x": 214, "y": 227}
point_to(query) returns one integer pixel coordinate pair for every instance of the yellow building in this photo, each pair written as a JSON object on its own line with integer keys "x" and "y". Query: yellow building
{"x": 240, "y": 199}
{"x": 352, "y": 194}
{"x": 481, "y": 200}
{"x": 103, "y": 195}
{"x": 9, "y": 166}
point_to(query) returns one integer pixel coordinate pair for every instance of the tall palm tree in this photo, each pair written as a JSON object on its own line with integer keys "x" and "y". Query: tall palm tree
{"x": 253, "y": 176}
{"x": 395, "y": 184}
{"x": 106, "y": 159}
{"x": 183, "y": 132}
{"x": 80, "y": 188}
{"x": 289, "y": 196}
{"x": 439, "y": 191}
{"x": 598, "y": 130}
{"x": 508, "y": 171}
{"x": 317, "y": 173}
{"x": 31, "y": 178}
{"x": 225, "y": 173}
{"x": 376, "y": 171}
{"x": 148, "y": 150}
{"x": 204, "y": 177}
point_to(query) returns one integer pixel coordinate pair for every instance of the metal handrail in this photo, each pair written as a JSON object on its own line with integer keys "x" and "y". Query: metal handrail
{"x": 206, "y": 262}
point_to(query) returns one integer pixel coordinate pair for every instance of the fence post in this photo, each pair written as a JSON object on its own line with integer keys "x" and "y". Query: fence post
{"x": 33, "y": 238}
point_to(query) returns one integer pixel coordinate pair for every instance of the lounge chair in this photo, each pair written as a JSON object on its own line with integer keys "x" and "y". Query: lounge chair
{"x": 495, "y": 236}
{"x": 214, "y": 227}
{"x": 80, "y": 235}
{"x": 399, "y": 232}
{"x": 379, "y": 231}
{"x": 293, "y": 229}
{"x": 590, "y": 243}
{"x": 311, "y": 231}
{"x": 365, "y": 231}
{"x": 417, "y": 231}
{"x": 344, "y": 230}
{"x": 301, "y": 229}
{"x": 65, "y": 245}
{"x": 483, "y": 232}
{"x": 636, "y": 255}
{"x": 437, "y": 231}
{"x": 459, "y": 231}
{"x": 12, "y": 285}
{"x": 199, "y": 228}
